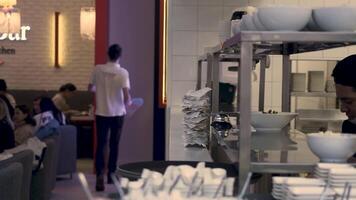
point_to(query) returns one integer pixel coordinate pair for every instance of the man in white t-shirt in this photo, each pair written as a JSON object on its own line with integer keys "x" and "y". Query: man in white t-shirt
{"x": 111, "y": 84}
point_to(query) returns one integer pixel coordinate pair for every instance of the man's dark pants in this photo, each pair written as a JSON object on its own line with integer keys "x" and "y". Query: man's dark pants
{"x": 103, "y": 125}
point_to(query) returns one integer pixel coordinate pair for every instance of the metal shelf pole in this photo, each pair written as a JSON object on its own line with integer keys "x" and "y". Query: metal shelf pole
{"x": 244, "y": 78}
{"x": 215, "y": 84}
{"x": 200, "y": 66}
{"x": 286, "y": 76}
{"x": 261, "y": 99}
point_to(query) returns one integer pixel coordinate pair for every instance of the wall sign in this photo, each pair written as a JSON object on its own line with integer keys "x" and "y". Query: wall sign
{"x": 16, "y": 36}
{"x": 5, "y": 51}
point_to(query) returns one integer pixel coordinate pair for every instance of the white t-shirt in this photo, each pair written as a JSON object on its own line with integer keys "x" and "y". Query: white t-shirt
{"x": 109, "y": 80}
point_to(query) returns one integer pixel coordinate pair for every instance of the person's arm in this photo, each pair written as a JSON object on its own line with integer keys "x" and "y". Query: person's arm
{"x": 91, "y": 85}
{"x": 127, "y": 96}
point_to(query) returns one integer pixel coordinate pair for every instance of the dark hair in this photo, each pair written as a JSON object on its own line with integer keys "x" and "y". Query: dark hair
{"x": 344, "y": 72}
{"x": 24, "y": 109}
{"x": 3, "y": 85}
{"x": 114, "y": 52}
{"x": 8, "y": 104}
{"x": 46, "y": 104}
{"x": 68, "y": 87}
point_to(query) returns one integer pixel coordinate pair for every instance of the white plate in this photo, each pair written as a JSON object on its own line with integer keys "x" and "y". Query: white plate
{"x": 343, "y": 172}
{"x": 309, "y": 191}
{"x": 328, "y": 166}
{"x": 304, "y": 181}
{"x": 279, "y": 180}
{"x": 339, "y": 191}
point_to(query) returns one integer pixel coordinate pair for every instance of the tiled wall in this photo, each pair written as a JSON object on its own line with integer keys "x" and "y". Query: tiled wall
{"x": 194, "y": 25}
{"x": 32, "y": 66}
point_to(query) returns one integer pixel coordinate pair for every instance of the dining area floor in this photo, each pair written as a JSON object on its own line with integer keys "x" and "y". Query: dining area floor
{"x": 70, "y": 188}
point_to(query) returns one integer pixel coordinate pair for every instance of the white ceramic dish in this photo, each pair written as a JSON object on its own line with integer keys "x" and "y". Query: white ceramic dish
{"x": 268, "y": 121}
{"x": 268, "y": 130}
{"x": 248, "y": 23}
{"x": 328, "y": 166}
{"x": 304, "y": 182}
{"x": 312, "y": 26}
{"x": 258, "y": 23}
{"x": 335, "y": 148}
{"x": 335, "y": 18}
{"x": 343, "y": 172}
{"x": 284, "y": 18}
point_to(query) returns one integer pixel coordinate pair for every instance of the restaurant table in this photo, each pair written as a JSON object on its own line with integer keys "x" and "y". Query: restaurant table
{"x": 85, "y": 136}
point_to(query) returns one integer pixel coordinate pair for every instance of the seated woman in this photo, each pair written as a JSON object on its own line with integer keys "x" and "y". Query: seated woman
{"x": 3, "y": 91}
{"x": 24, "y": 124}
{"x": 7, "y": 140}
{"x": 48, "y": 120}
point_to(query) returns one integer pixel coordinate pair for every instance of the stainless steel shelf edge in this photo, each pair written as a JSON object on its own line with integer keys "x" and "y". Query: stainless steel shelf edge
{"x": 313, "y": 94}
{"x": 289, "y": 36}
{"x": 281, "y": 168}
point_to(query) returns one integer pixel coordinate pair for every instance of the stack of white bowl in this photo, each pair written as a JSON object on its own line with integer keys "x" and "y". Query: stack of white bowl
{"x": 196, "y": 109}
{"x": 277, "y": 190}
{"x": 340, "y": 18}
{"x": 297, "y": 18}
{"x": 338, "y": 177}
{"x": 282, "y": 185}
{"x": 276, "y": 18}
{"x": 309, "y": 193}
{"x": 322, "y": 169}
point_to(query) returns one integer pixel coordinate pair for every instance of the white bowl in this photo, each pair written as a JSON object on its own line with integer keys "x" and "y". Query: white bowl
{"x": 335, "y": 148}
{"x": 284, "y": 18}
{"x": 248, "y": 22}
{"x": 312, "y": 26}
{"x": 335, "y": 18}
{"x": 258, "y": 23}
{"x": 271, "y": 121}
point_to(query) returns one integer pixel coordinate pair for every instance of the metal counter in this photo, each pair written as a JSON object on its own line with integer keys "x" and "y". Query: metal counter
{"x": 249, "y": 45}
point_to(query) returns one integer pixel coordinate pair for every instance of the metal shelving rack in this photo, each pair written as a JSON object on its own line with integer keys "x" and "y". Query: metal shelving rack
{"x": 248, "y": 45}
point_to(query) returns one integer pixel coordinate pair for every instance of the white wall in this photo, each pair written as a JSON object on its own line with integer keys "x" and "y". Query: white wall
{"x": 32, "y": 66}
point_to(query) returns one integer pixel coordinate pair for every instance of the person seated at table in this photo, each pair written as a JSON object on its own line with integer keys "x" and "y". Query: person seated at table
{"x": 66, "y": 91}
{"x": 344, "y": 75}
{"x": 7, "y": 140}
{"x": 48, "y": 120}
{"x": 24, "y": 124}
{"x": 3, "y": 91}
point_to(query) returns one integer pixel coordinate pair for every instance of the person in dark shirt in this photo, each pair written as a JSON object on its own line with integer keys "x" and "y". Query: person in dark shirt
{"x": 7, "y": 138}
{"x": 344, "y": 75}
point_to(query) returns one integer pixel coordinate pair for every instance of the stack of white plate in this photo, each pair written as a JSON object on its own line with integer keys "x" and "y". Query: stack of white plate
{"x": 281, "y": 185}
{"x": 322, "y": 169}
{"x": 277, "y": 190}
{"x": 309, "y": 193}
{"x": 338, "y": 177}
{"x": 340, "y": 192}
{"x": 196, "y": 109}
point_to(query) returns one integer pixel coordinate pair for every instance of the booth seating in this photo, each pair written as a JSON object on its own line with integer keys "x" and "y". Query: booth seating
{"x": 10, "y": 180}
{"x": 79, "y": 101}
{"x": 25, "y": 159}
{"x": 68, "y": 150}
{"x": 43, "y": 180}
{"x": 37, "y": 183}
